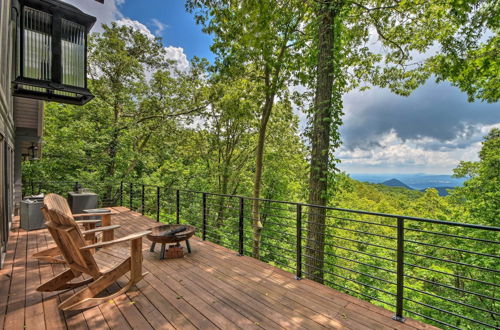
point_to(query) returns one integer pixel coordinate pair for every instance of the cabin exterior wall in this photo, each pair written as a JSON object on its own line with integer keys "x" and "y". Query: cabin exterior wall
{"x": 20, "y": 125}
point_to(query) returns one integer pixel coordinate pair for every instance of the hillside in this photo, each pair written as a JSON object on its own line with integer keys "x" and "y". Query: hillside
{"x": 442, "y": 191}
{"x": 396, "y": 183}
{"x": 417, "y": 181}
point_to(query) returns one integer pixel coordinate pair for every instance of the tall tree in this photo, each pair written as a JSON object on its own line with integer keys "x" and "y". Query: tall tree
{"x": 328, "y": 34}
{"x": 387, "y": 44}
{"x": 138, "y": 89}
{"x": 261, "y": 41}
{"x": 118, "y": 60}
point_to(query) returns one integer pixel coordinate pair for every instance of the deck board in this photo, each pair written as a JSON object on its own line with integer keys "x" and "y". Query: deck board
{"x": 6, "y": 275}
{"x": 212, "y": 288}
{"x": 50, "y": 300}
{"x": 14, "y": 318}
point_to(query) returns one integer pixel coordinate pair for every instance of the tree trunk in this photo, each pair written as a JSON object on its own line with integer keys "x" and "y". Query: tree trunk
{"x": 320, "y": 142}
{"x": 110, "y": 167}
{"x": 219, "y": 222}
{"x": 259, "y": 158}
{"x": 112, "y": 152}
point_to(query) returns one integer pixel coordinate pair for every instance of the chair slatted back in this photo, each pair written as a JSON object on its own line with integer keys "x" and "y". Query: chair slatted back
{"x": 57, "y": 202}
{"x": 68, "y": 237}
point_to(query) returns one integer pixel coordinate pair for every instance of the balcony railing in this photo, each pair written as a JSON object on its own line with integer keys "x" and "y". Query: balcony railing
{"x": 445, "y": 273}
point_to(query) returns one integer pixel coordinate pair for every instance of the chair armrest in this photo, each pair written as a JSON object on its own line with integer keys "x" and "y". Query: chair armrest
{"x": 100, "y": 214}
{"x": 96, "y": 230}
{"x": 119, "y": 240}
{"x": 83, "y": 222}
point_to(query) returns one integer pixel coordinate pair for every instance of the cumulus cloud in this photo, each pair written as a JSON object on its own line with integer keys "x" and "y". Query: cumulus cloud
{"x": 430, "y": 131}
{"x": 136, "y": 25}
{"x": 176, "y": 54}
{"x": 414, "y": 155}
{"x": 110, "y": 12}
{"x": 437, "y": 111}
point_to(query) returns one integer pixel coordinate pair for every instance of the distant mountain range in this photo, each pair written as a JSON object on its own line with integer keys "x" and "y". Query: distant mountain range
{"x": 418, "y": 181}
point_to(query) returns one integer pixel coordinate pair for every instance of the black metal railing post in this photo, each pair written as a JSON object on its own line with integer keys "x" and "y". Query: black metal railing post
{"x": 400, "y": 271}
{"x": 131, "y": 195}
{"x": 157, "y": 204}
{"x": 298, "y": 273}
{"x": 240, "y": 227}
{"x": 142, "y": 199}
{"x": 204, "y": 223}
{"x": 121, "y": 193}
{"x": 177, "y": 206}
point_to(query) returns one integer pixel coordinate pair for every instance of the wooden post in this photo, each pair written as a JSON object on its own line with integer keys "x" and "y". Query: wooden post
{"x": 107, "y": 235}
{"x": 136, "y": 259}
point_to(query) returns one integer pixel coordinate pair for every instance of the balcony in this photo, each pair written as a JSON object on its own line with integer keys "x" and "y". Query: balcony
{"x": 377, "y": 267}
{"x": 210, "y": 288}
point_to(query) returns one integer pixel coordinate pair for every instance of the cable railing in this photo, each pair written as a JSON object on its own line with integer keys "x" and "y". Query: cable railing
{"x": 442, "y": 272}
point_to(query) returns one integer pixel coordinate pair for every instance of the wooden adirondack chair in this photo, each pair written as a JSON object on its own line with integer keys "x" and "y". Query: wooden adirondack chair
{"x": 80, "y": 260}
{"x": 54, "y": 201}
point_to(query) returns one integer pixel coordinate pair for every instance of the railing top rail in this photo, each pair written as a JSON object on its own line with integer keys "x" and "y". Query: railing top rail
{"x": 385, "y": 215}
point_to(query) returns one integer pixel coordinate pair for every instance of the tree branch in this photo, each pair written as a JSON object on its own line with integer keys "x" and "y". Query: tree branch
{"x": 375, "y": 8}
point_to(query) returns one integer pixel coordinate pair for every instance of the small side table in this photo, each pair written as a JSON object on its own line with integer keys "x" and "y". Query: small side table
{"x": 107, "y": 235}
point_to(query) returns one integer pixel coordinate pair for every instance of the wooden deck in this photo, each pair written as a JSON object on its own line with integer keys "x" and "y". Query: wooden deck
{"x": 208, "y": 289}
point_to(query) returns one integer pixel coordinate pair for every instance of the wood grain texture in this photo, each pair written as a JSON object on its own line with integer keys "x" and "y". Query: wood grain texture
{"x": 81, "y": 260}
{"x": 211, "y": 288}
{"x": 59, "y": 203}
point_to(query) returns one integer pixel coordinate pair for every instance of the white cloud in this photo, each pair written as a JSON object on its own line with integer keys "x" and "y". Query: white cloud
{"x": 177, "y": 54}
{"x": 393, "y": 154}
{"x": 110, "y": 12}
{"x": 159, "y": 27}
{"x": 430, "y": 131}
{"x": 136, "y": 25}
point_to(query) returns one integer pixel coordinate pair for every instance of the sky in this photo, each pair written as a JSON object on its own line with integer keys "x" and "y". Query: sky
{"x": 430, "y": 131}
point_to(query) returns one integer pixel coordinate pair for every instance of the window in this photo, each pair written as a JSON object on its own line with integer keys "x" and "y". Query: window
{"x": 37, "y": 55}
{"x": 52, "y": 48}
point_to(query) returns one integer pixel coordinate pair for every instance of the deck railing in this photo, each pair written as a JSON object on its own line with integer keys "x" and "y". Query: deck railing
{"x": 445, "y": 273}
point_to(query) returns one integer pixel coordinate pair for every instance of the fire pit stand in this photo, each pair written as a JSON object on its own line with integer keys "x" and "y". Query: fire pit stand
{"x": 160, "y": 235}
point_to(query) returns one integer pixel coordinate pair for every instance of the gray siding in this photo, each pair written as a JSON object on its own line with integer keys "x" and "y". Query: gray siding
{"x": 27, "y": 114}
{"x": 6, "y": 109}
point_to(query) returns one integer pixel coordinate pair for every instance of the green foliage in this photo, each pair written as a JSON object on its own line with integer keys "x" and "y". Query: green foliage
{"x": 468, "y": 57}
{"x": 198, "y": 130}
{"x": 481, "y": 194}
